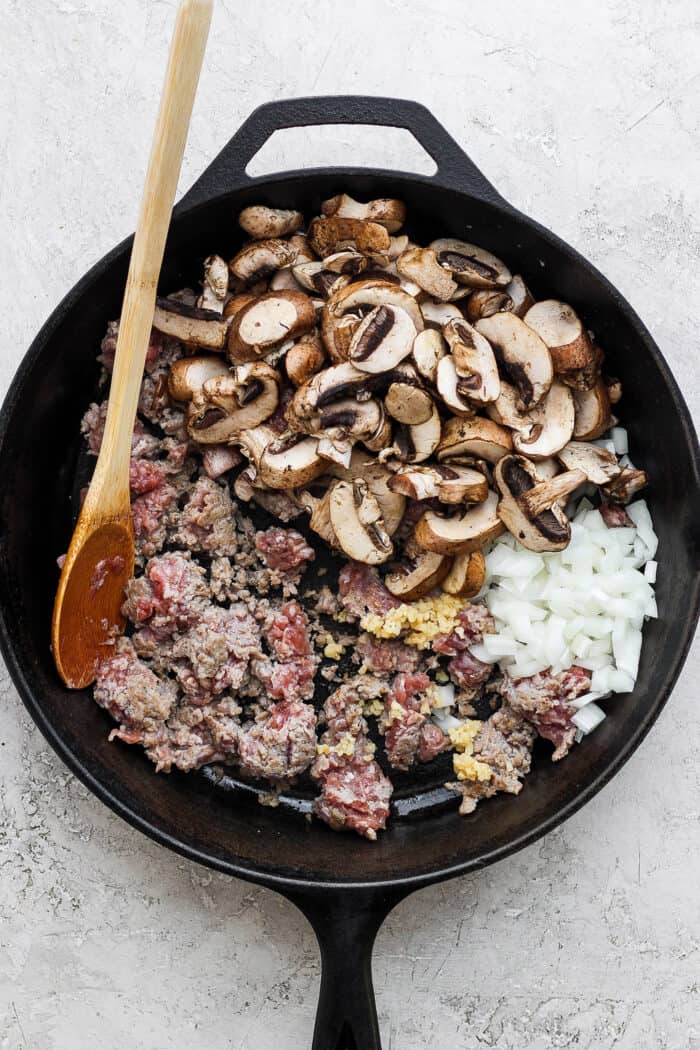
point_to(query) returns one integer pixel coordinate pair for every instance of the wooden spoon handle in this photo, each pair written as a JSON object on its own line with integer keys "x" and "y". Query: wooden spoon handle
{"x": 177, "y": 99}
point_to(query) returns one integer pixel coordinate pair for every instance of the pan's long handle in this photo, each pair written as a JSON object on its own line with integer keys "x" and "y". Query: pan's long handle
{"x": 346, "y": 924}
{"x": 454, "y": 168}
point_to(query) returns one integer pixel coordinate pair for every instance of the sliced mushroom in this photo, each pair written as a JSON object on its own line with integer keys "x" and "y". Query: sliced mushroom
{"x": 382, "y": 436}
{"x": 190, "y": 324}
{"x": 462, "y": 532}
{"x": 262, "y": 223}
{"x": 236, "y": 303}
{"x": 391, "y": 214}
{"x": 448, "y": 383}
{"x": 474, "y": 437}
{"x": 592, "y": 410}
{"x": 466, "y": 576}
{"x": 329, "y": 235}
{"x": 414, "y": 444}
{"x": 437, "y": 315}
{"x": 523, "y": 358}
{"x": 290, "y": 461}
{"x": 268, "y": 321}
{"x": 547, "y": 468}
{"x": 470, "y": 264}
{"x": 358, "y": 524}
{"x": 367, "y": 468}
{"x": 345, "y": 309}
{"x": 284, "y": 281}
{"x": 383, "y": 339}
{"x": 428, "y": 348}
{"x": 347, "y": 417}
{"x": 319, "y": 508}
{"x": 574, "y": 357}
{"x": 599, "y": 465}
{"x": 547, "y": 427}
{"x": 315, "y": 277}
{"x": 520, "y": 296}
{"x": 254, "y": 441}
{"x": 261, "y": 258}
{"x": 332, "y": 384}
{"x": 407, "y": 401}
{"x": 420, "y": 265}
{"x": 626, "y": 485}
{"x": 346, "y": 262}
{"x": 397, "y": 246}
{"x": 414, "y": 580}
{"x": 478, "y": 380}
{"x": 188, "y": 375}
{"x": 486, "y": 303}
{"x": 441, "y": 481}
{"x": 614, "y": 389}
{"x": 228, "y": 405}
{"x": 305, "y": 358}
{"x": 215, "y": 284}
{"x": 529, "y": 508}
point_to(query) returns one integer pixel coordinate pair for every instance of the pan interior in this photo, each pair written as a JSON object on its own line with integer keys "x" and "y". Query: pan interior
{"x": 209, "y": 816}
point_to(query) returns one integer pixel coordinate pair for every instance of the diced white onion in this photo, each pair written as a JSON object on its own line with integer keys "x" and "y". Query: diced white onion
{"x": 445, "y": 721}
{"x": 588, "y": 718}
{"x": 618, "y": 436}
{"x": 650, "y": 571}
{"x": 444, "y": 696}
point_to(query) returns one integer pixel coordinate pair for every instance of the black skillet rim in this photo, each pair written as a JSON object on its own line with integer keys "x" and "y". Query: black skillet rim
{"x": 409, "y": 882}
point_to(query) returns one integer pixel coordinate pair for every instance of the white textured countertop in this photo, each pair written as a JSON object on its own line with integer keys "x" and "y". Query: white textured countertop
{"x": 587, "y": 117}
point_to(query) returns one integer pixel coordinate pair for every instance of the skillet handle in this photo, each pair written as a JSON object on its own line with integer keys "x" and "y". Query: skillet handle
{"x": 227, "y": 171}
{"x": 346, "y": 924}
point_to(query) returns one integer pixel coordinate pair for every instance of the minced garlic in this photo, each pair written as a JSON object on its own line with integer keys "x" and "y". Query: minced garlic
{"x": 333, "y": 650}
{"x": 423, "y": 620}
{"x": 374, "y": 707}
{"x": 465, "y": 765}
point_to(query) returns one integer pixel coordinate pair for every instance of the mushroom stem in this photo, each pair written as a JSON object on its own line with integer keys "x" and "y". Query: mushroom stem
{"x": 544, "y": 495}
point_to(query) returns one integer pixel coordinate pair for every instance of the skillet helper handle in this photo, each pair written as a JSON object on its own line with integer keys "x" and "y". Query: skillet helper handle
{"x": 346, "y": 924}
{"x": 455, "y": 170}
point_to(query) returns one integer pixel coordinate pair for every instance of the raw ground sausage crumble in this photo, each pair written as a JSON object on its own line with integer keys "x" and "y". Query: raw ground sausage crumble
{"x": 239, "y": 652}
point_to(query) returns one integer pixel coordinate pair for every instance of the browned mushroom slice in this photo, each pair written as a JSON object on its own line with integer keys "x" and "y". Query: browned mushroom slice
{"x": 466, "y": 576}
{"x": 414, "y": 444}
{"x": 478, "y": 437}
{"x": 592, "y": 412}
{"x": 428, "y": 348}
{"x": 382, "y": 436}
{"x": 449, "y": 484}
{"x": 358, "y": 524}
{"x": 414, "y": 580}
{"x": 529, "y": 508}
{"x": 397, "y": 246}
{"x": 487, "y": 302}
{"x": 315, "y": 277}
{"x": 437, "y": 315}
{"x": 327, "y": 386}
{"x": 262, "y": 223}
{"x": 475, "y": 363}
{"x": 366, "y": 467}
{"x": 190, "y": 324}
{"x": 228, "y": 405}
{"x": 626, "y": 485}
{"x": 241, "y": 299}
{"x": 346, "y": 262}
{"x": 461, "y": 532}
{"x": 305, "y": 358}
{"x": 523, "y": 358}
{"x": 420, "y": 265}
{"x": 261, "y": 258}
{"x": 214, "y": 285}
{"x": 383, "y": 339}
{"x": 573, "y": 355}
{"x": 334, "y": 234}
{"x": 188, "y": 375}
{"x": 345, "y": 309}
{"x": 471, "y": 265}
{"x": 290, "y": 461}
{"x": 520, "y": 296}
{"x": 599, "y": 465}
{"x": 449, "y": 387}
{"x": 391, "y": 214}
{"x": 268, "y": 321}
{"x": 547, "y": 427}
{"x": 406, "y": 399}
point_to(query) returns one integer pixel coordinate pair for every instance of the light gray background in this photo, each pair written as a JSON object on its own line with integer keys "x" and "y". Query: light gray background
{"x": 586, "y": 116}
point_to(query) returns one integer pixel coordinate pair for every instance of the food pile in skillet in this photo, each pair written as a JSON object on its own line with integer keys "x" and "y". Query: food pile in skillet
{"x": 452, "y": 441}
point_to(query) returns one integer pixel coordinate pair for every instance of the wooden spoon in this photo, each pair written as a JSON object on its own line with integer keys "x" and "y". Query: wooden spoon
{"x": 87, "y": 611}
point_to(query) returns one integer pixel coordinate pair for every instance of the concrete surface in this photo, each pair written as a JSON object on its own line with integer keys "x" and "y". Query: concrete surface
{"x": 587, "y": 116}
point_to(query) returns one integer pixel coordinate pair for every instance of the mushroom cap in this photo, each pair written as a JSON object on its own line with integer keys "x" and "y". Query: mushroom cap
{"x": 471, "y": 265}
{"x": 305, "y": 358}
{"x": 357, "y": 523}
{"x": 475, "y": 362}
{"x": 333, "y": 234}
{"x": 290, "y": 461}
{"x": 191, "y": 325}
{"x": 474, "y": 437}
{"x": 522, "y": 357}
{"x": 420, "y": 266}
{"x": 383, "y": 339}
{"x": 391, "y": 214}
{"x": 413, "y": 581}
{"x": 599, "y": 465}
{"x": 261, "y": 222}
{"x": 267, "y": 321}
{"x": 574, "y": 357}
{"x": 466, "y": 576}
{"x": 261, "y": 258}
{"x": 547, "y": 530}
{"x": 592, "y": 412}
{"x": 460, "y": 533}
{"x": 428, "y": 347}
{"x": 520, "y": 296}
{"x": 241, "y": 299}
{"x": 188, "y": 375}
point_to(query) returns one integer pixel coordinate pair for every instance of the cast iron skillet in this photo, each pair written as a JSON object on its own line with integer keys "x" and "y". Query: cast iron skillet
{"x": 345, "y": 886}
